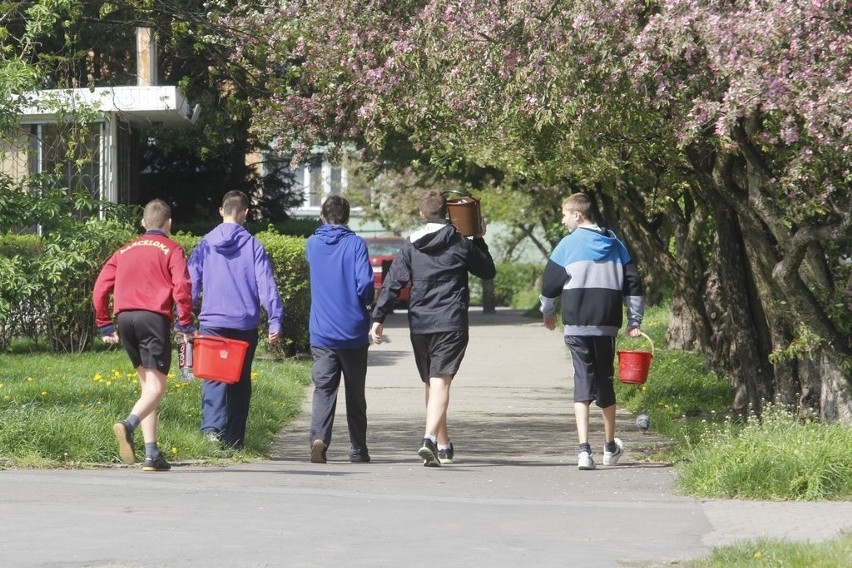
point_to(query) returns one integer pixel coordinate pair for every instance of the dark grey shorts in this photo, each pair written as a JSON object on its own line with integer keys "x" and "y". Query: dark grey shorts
{"x": 594, "y": 365}
{"x": 147, "y": 339}
{"x": 439, "y": 354}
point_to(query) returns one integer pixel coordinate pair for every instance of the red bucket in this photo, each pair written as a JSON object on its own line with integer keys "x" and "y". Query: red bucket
{"x": 633, "y": 366}
{"x": 218, "y": 358}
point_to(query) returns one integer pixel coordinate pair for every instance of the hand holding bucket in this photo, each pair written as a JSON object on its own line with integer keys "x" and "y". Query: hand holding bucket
{"x": 633, "y": 366}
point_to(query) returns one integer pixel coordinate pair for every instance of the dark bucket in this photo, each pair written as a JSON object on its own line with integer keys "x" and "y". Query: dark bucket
{"x": 633, "y": 366}
{"x": 463, "y": 211}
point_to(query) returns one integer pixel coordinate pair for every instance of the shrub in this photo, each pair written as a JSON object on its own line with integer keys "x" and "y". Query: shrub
{"x": 287, "y": 254}
{"x": 66, "y": 272}
{"x": 517, "y": 284}
{"x": 16, "y": 286}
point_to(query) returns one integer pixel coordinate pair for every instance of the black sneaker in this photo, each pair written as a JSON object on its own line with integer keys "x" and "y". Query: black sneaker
{"x": 429, "y": 452}
{"x": 446, "y": 456}
{"x": 124, "y": 435}
{"x": 318, "y": 449}
{"x": 359, "y": 456}
{"x": 158, "y": 463}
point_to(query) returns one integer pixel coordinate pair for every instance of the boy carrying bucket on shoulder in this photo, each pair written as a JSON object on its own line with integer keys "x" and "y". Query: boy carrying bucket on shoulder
{"x": 594, "y": 274}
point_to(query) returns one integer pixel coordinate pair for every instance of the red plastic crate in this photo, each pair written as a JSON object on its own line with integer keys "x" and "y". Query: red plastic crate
{"x": 218, "y": 358}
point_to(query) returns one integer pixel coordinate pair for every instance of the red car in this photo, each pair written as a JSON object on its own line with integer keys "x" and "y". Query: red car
{"x": 382, "y": 251}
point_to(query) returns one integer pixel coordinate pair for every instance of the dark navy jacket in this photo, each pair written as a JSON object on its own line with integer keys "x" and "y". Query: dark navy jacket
{"x": 437, "y": 260}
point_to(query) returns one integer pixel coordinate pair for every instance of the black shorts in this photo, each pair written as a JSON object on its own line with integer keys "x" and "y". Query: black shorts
{"x": 593, "y": 359}
{"x": 439, "y": 354}
{"x": 147, "y": 338}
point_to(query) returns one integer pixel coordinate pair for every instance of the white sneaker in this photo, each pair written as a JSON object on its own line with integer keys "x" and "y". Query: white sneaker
{"x": 585, "y": 461}
{"x": 611, "y": 458}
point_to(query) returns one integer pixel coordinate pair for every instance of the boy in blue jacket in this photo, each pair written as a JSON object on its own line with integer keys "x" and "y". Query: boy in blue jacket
{"x": 232, "y": 269}
{"x": 341, "y": 293}
{"x": 593, "y": 273}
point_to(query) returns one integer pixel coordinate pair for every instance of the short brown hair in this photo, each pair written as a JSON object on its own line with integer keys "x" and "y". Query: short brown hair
{"x": 335, "y": 210}
{"x": 156, "y": 214}
{"x": 433, "y": 205}
{"x": 580, "y": 203}
{"x": 234, "y": 202}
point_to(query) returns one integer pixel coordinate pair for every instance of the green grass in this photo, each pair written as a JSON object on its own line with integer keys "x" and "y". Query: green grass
{"x": 775, "y": 457}
{"x": 681, "y": 396}
{"x": 769, "y": 553}
{"x": 57, "y": 410}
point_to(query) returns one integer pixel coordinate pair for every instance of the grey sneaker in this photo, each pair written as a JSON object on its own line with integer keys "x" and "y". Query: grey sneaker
{"x": 124, "y": 435}
{"x": 611, "y": 458}
{"x": 429, "y": 452}
{"x": 585, "y": 461}
{"x": 318, "y": 449}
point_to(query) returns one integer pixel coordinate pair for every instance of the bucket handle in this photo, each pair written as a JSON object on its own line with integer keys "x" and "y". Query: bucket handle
{"x": 643, "y": 334}
{"x": 461, "y": 194}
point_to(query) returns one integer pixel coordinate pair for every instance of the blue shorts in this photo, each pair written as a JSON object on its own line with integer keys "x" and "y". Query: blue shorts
{"x": 593, "y": 358}
{"x": 439, "y": 354}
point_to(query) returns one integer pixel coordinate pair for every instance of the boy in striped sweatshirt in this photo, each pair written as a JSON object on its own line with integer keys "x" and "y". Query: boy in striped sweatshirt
{"x": 592, "y": 272}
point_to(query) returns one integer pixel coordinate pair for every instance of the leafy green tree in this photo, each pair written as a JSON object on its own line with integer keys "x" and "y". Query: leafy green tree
{"x": 714, "y": 134}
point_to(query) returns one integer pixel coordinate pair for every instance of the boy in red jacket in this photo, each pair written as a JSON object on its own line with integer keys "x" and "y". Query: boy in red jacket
{"x": 147, "y": 278}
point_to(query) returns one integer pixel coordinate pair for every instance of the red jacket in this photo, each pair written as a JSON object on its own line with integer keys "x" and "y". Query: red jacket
{"x": 148, "y": 273}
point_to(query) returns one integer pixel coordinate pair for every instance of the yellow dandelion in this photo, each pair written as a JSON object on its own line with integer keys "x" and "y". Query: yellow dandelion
{"x": 109, "y": 383}
{"x": 174, "y": 451}
{"x": 758, "y": 554}
{"x": 43, "y": 393}
{"x": 29, "y": 379}
{"x": 98, "y": 377}
{"x": 116, "y": 374}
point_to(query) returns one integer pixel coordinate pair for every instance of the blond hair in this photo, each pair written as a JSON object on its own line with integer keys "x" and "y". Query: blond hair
{"x": 156, "y": 214}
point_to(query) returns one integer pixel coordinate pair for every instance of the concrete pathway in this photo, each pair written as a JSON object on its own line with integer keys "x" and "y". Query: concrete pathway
{"x": 514, "y": 495}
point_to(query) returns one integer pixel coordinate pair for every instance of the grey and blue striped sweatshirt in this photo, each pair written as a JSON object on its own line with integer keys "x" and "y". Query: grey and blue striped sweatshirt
{"x": 594, "y": 274}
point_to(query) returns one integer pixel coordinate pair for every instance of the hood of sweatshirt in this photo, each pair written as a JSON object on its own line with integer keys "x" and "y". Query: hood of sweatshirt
{"x": 598, "y": 241}
{"x": 228, "y": 238}
{"x": 434, "y": 236}
{"x": 332, "y": 234}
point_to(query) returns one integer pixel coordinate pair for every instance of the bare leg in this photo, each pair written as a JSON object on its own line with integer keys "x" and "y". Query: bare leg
{"x": 609, "y": 422}
{"x": 153, "y": 384}
{"x": 436, "y": 407}
{"x": 581, "y": 416}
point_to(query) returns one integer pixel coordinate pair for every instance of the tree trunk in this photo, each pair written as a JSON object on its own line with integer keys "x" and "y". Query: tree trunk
{"x": 489, "y": 306}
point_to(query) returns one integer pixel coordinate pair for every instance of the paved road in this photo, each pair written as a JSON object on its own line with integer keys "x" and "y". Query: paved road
{"x": 513, "y": 497}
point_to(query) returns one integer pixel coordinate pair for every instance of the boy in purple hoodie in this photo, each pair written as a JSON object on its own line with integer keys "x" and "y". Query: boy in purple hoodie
{"x": 233, "y": 271}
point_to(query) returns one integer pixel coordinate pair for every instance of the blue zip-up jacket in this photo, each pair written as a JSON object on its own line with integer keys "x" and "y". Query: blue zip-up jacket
{"x": 341, "y": 288}
{"x": 231, "y": 271}
{"x": 593, "y": 272}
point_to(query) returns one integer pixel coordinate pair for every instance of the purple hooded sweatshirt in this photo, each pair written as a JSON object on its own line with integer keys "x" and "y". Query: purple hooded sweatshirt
{"x": 233, "y": 271}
